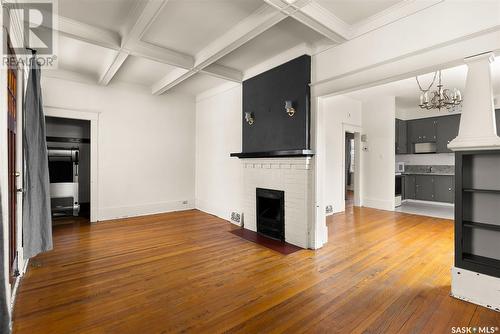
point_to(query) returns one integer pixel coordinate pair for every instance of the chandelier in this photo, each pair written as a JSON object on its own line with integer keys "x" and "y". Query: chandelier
{"x": 440, "y": 98}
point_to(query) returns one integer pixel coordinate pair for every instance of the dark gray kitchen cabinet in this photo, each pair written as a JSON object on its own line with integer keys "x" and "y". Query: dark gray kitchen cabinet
{"x": 401, "y": 137}
{"x": 424, "y": 188}
{"x": 422, "y": 130}
{"x": 498, "y": 121}
{"x": 409, "y": 187}
{"x": 446, "y": 130}
{"x": 444, "y": 189}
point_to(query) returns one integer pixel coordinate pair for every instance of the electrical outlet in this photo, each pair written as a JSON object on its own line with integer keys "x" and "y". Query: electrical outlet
{"x": 185, "y": 202}
{"x": 329, "y": 209}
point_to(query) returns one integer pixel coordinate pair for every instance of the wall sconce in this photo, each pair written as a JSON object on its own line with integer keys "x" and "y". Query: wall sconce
{"x": 249, "y": 118}
{"x": 289, "y": 108}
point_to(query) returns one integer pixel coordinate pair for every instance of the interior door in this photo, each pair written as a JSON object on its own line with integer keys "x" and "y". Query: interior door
{"x": 12, "y": 156}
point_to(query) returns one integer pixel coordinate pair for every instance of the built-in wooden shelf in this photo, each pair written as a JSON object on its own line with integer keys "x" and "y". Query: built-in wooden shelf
{"x": 477, "y": 223}
{"x": 488, "y": 191}
{"x": 274, "y": 154}
{"x": 486, "y": 261}
{"x": 491, "y": 227}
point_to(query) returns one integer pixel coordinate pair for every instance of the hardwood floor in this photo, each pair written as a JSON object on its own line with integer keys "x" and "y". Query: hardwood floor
{"x": 381, "y": 272}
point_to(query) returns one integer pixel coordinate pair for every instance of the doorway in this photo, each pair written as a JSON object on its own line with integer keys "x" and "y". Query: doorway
{"x": 92, "y": 118}
{"x": 349, "y": 165}
{"x": 68, "y": 146}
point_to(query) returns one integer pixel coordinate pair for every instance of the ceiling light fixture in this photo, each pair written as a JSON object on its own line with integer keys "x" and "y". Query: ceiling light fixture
{"x": 440, "y": 98}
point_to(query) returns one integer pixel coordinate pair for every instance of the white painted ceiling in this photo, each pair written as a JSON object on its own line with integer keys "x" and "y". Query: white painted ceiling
{"x": 142, "y": 71}
{"x": 189, "y": 26}
{"x": 189, "y": 46}
{"x": 106, "y": 14}
{"x": 197, "y": 84}
{"x": 283, "y": 36}
{"x": 87, "y": 59}
{"x": 354, "y": 11}
{"x": 407, "y": 92}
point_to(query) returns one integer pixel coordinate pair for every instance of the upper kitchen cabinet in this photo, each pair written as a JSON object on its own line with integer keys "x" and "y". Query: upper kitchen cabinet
{"x": 422, "y": 130}
{"x": 401, "y": 137}
{"x": 446, "y": 130}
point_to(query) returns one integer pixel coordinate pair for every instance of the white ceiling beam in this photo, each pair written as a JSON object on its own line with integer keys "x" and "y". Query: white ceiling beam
{"x": 392, "y": 14}
{"x": 115, "y": 65}
{"x": 160, "y": 54}
{"x": 87, "y": 33}
{"x": 141, "y": 17}
{"x": 172, "y": 79}
{"x": 111, "y": 40}
{"x": 223, "y": 72}
{"x": 311, "y": 14}
{"x": 261, "y": 20}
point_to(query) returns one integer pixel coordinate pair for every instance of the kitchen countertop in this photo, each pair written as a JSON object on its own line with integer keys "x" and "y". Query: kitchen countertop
{"x": 430, "y": 173}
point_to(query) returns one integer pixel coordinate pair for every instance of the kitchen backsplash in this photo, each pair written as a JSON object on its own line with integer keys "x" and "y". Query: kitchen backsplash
{"x": 445, "y": 169}
{"x": 441, "y": 159}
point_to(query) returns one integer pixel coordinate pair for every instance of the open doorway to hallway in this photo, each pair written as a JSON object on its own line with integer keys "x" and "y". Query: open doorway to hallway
{"x": 350, "y": 166}
{"x": 68, "y": 144}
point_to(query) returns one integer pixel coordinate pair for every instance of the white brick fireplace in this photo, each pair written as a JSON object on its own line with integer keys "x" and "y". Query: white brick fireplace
{"x": 291, "y": 175}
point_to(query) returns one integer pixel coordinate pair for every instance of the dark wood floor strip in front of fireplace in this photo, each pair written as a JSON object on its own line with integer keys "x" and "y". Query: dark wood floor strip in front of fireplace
{"x": 276, "y": 245}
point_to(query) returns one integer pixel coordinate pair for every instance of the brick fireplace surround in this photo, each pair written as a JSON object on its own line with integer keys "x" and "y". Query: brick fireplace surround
{"x": 291, "y": 175}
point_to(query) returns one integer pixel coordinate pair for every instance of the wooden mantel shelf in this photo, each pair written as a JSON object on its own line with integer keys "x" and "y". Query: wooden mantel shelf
{"x": 274, "y": 154}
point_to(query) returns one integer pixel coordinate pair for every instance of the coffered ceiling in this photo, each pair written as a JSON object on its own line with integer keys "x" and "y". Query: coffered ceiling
{"x": 189, "y": 46}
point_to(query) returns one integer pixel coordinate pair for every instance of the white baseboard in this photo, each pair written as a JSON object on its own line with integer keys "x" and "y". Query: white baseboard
{"x": 16, "y": 284}
{"x": 428, "y": 202}
{"x": 379, "y": 204}
{"x": 476, "y": 288}
{"x": 144, "y": 209}
{"x": 218, "y": 211}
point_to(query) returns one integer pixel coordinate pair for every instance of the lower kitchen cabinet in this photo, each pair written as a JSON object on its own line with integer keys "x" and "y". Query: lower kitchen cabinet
{"x": 444, "y": 189}
{"x": 409, "y": 187}
{"x": 424, "y": 189}
{"x": 437, "y": 188}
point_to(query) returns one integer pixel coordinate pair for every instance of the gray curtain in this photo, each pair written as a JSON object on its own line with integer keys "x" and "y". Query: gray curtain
{"x": 37, "y": 221}
{"x": 4, "y": 307}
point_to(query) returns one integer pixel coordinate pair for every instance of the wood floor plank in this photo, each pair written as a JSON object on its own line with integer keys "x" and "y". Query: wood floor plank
{"x": 381, "y": 272}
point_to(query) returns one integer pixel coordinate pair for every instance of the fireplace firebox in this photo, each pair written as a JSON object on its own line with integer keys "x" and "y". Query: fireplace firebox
{"x": 271, "y": 213}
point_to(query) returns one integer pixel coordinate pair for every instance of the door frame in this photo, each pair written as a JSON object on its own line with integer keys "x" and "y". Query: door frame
{"x": 93, "y": 117}
{"x": 357, "y": 130}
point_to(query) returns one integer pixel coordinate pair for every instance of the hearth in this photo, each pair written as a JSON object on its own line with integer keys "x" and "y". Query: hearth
{"x": 271, "y": 213}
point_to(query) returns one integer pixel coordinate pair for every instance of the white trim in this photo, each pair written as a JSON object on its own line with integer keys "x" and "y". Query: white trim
{"x": 93, "y": 117}
{"x": 475, "y": 288}
{"x": 111, "y": 213}
{"x": 428, "y": 202}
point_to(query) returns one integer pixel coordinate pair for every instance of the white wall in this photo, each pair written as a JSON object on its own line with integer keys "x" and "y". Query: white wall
{"x": 219, "y": 179}
{"x": 146, "y": 145}
{"x": 378, "y": 161}
{"x": 339, "y": 111}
